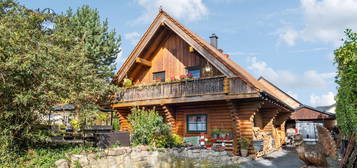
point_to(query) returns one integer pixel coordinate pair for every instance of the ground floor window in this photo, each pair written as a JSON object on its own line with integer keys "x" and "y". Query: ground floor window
{"x": 196, "y": 123}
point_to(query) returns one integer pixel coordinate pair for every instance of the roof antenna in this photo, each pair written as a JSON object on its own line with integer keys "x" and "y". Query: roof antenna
{"x": 160, "y": 8}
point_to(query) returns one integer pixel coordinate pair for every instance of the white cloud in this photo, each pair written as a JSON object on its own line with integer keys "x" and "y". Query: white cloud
{"x": 190, "y": 10}
{"x": 132, "y": 37}
{"x": 290, "y": 80}
{"x": 324, "y": 20}
{"x": 322, "y": 100}
{"x": 289, "y": 36}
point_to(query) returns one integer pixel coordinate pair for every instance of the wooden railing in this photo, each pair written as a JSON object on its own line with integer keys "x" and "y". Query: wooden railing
{"x": 195, "y": 87}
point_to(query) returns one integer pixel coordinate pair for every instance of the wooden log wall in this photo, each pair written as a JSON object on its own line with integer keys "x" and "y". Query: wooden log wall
{"x": 218, "y": 116}
{"x": 246, "y": 112}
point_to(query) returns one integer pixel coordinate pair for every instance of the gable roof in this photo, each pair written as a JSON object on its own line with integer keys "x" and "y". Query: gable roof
{"x": 306, "y": 112}
{"x": 327, "y": 108}
{"x": 280, "y": 94}
{"x": 228, "y": 67}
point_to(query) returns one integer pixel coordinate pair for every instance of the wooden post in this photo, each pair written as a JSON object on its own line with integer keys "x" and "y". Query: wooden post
{"x": 246, "y": 112}
{"x": 226, "y": 86}
{"x": 235, "y": 126}
{"x": 123, "y": 120}
{"x": 169, "y": 115}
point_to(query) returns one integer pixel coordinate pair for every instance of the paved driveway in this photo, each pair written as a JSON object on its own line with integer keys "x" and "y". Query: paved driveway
{"x": 279, "y": 159}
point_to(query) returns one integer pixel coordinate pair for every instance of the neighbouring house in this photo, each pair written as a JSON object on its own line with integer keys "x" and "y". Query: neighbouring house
{"x": 305, "y": 119}
{"x": 60, "y": 114}
{"x": 197, "y": 88}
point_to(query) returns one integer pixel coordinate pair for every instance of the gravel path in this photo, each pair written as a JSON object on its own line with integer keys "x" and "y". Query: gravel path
{"x": 278, "y": 159}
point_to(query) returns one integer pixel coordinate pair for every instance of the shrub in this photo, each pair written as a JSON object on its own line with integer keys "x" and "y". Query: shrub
{"x": 148, "y": 128}
{"x": 176, "y": 140}
{"x": 116, "y": 125}
{"x": 243, "y": 143}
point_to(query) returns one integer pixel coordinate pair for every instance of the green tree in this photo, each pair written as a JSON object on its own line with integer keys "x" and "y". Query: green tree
{"x": 101, "y": 46}
{"x": 346, "y": 99}
{"x": 41, "y": 67}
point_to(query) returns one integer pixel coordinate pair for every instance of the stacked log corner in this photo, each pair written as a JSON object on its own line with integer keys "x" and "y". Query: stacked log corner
{"x": 123, "y": 120}
{"x": 246, "y": 112}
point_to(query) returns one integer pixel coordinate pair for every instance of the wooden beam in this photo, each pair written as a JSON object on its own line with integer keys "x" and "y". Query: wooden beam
{"x": 143, "y": 62}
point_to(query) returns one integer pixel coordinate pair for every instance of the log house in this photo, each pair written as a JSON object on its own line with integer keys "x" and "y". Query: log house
{"x": 219, "y": 95}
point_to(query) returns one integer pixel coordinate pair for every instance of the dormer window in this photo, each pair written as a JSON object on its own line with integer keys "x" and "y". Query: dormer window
{"x": 195, "y": 71}
{"x": 159, "y": 76}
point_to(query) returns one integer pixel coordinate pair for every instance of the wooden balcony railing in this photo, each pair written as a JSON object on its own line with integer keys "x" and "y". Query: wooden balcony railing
{"x": 195, "y": 87}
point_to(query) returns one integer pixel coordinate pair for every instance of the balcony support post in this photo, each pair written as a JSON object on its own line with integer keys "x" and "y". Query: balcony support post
{"x": 123, "y": 119}
{"x": 246, "y": 114}
{"x": 169, "y": 115}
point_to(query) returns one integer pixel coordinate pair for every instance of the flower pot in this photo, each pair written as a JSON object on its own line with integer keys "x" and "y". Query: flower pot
{"x": 215, "y": 136}
{"x": 244, "y": 152}
{"x": 258, "y": 145}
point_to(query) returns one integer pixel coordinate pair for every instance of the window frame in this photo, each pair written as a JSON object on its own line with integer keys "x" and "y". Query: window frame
{"x": 192, "y": 68}
{"x": 162, "y": 80}
{"x": 197, "y": 131}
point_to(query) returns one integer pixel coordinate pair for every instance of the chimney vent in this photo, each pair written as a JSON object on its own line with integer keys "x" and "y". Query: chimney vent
{"x": 214, "y": 40}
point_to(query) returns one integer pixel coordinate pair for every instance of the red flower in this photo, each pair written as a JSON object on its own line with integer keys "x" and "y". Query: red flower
{"x": 158, "y": 79}
{"x": 189, "y": 75}
{"x": 183, "y": 76}
{"x": 173, "y": 78}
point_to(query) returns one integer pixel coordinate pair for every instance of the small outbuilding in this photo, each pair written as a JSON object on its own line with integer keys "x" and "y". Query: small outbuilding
{"x": 305, "y": 119}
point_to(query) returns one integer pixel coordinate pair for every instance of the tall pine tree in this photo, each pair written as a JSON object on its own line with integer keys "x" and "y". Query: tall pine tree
{"x": 101, "y": 46}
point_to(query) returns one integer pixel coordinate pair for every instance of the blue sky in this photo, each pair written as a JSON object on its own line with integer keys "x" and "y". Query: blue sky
{"x": 290, "y": 43}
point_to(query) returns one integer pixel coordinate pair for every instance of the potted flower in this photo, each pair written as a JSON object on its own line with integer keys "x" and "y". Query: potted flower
{"x": 127, "y": 82}
{"x": 173, "y": 78}
{"x": 209, "y": 145}
{"x": 183, "y": 77}
{"x": 215, "y": 133}
{"x": 158, "y": 79}
{"x": 258, "y": 145}
{"x": 244, "y": 144}
{"x": 189, "y": 76}
{"x": 223, "y": 133}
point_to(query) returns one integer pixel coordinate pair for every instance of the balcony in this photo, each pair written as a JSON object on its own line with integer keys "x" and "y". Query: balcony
{"x": 214, "y": 86}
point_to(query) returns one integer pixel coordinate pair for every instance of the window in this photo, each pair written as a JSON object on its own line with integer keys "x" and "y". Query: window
{"x": 197, "y": 123}
{"x": 159, "y": 76}
{"x": 195, "y": 71}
